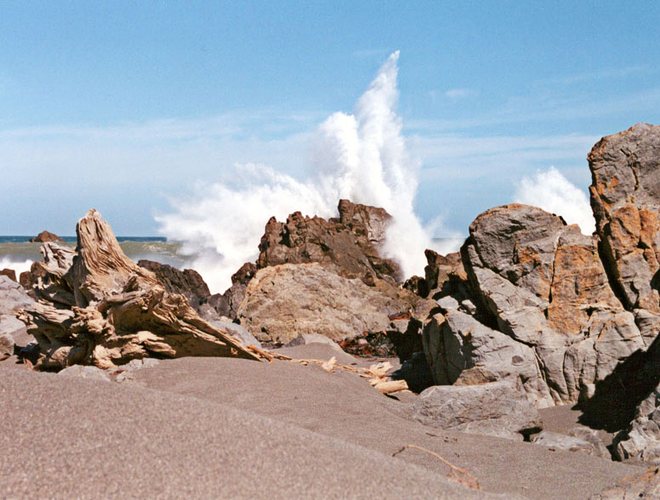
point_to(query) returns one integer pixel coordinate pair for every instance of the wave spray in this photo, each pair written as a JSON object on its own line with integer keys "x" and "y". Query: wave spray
{"x": 360, "y": 156}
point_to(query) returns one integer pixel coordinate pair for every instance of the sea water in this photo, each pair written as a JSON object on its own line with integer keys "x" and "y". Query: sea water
{"x": 18, "y": 253}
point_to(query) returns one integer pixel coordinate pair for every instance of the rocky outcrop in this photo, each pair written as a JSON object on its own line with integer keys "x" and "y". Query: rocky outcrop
{"x": 349, "y": 245}
{"x": 227, "y": 304}
{"x": 188, "y": 282}
{"x": 543, "y": 284}
{"x": 98, "y": 307}
{"x": 45, "y": 237}
{"x": 286, "y": 301}
{"x": 625, "y": 194}
{"x": 494, "y": 409}
{"x": 587, "y": 442}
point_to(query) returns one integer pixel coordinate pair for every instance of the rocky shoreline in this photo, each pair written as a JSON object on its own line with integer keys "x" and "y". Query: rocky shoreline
{"x": 532, "y": 323}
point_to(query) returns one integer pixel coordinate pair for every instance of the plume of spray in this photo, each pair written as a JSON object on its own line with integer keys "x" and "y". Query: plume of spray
{"x": 360, "y": 156}
{"x": 553, "y": 192}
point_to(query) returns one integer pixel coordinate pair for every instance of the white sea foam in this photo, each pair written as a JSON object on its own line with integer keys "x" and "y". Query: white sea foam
{"x": 552, "y": 192}
{"x": 360, "y": 156}
{"x": 18, "y": 266}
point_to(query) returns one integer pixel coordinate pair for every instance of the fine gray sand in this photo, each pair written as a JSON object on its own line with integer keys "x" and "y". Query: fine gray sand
{"x": 229, "y": 428}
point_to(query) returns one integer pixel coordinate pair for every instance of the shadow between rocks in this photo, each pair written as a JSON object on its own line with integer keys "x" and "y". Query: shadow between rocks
{"x": 616, "y": 398}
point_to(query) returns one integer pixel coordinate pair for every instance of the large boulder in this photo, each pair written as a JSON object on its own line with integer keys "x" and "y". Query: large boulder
{"x": 285, "y": 301}
{"x": 350, "y": 244}
{"x": 460, "y": 349}
{"x": 543, "y": 284}
{"x": 625, "y": 196}
{"x": 495, "y": 409}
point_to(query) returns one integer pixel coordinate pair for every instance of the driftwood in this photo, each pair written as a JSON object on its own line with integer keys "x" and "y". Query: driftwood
{"x": 98, "y": 307}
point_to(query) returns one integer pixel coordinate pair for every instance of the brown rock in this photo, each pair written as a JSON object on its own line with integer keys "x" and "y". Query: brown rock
{"x": 10, "y": 273}
{"x": 45, "y": 236}
{"x": 286, "y": 301}
{"x": 625, "y": 196}
{"x": 227, "y": 304}
{"x": 188, "y": 282}
{"x": 349, "y": 244}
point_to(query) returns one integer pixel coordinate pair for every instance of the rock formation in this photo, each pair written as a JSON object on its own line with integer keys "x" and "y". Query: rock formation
{"x": 98, "y": 307}
{"x": 45, "y": 237}
{"x": 572, "y": 317}
{"x": 285, "y": 301}
{"x": 349, "y": 244}
{"x": 188, "y": 282}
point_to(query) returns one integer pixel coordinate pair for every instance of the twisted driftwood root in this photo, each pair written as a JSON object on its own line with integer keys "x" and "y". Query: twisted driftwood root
{"x": 96, "y": 306}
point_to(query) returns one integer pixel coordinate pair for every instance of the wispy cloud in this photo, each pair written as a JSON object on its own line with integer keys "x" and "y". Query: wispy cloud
{"x": 460, "y": 93}
{"x": 603, "y": 74}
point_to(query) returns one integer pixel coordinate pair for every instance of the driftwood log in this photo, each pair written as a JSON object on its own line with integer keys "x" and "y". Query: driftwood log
{"x": 96, "y": 306}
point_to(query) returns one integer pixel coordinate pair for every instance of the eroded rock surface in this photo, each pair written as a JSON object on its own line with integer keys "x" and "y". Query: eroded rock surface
{"x": 625, "y": 196}
{"x": 188, "y": 282}
{"x": 286, "y": 301}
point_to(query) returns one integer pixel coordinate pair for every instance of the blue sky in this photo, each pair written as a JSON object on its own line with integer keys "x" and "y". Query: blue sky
{"x": 124, "y": 105}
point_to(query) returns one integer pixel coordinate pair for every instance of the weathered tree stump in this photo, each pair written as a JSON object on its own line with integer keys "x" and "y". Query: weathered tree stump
{"x": 98, "y": 307}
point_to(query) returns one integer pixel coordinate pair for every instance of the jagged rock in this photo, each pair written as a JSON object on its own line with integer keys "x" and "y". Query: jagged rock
{"x": 105, "y": 310}
{"x": 188, "y": 282}
{"x": 542, "y": 283}
{"x": 285, "y": 301}
{"x": 227, "y": 304}
{"x": 641, "y": 443}
{"x": 456, "y": 343}
{"x": 565, "y": 442}
{"x": 625, "y": 197}
{"x": 349, "y": 245}
{"x": 10, "y": 273}
{"x": 495, "y": 409}
{"x": 44, "y": 237}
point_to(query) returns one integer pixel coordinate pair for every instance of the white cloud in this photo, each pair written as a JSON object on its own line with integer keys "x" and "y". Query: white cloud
{"x": 552, "y": 192}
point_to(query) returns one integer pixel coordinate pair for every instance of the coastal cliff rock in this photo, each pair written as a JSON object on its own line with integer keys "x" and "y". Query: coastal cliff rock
{"x": 227, "y": 304}
{"x": 45, "y": 237}
{"x": 349, "y": 245}
{"x": 625, "y": 197}
{"x": 286, "y": 301}
{"x": 98, "y": 307}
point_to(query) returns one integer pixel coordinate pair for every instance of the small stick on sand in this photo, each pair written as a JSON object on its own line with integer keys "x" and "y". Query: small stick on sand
{"x": 457, "y": 474}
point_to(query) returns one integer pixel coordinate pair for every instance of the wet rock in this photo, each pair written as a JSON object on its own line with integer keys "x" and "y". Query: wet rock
{"x": 45, "y": 237}
{"x": 495, "y": 409}
{"x": 625, "y": 197}
{"x": 349, "y": 245}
